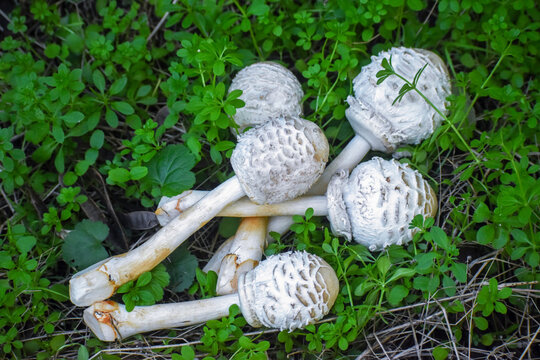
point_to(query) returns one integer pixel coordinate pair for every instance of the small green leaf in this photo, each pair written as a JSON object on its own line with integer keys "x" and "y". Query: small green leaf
{"x": 400, "y": 273}
{"x": 481, "y": 213}
{"x": 97, "y": 138}
{"x": 485, "y": 234}
{"x": 72, "y": 118}
{"x": 99, "y": 80}
{"x": 138, "y": 172}
{"x": 82, "y": 353}
{"x": 415, "y": 5}
{"x": 480, "y": 323}
{"x": 440, "y": 353}
{"x": 25, "y": 243}
{"x": 52, "y": 51}
{"x": 144, "y": 279}
{"x": 111, "y": 118}
{"x": 118, "y": 86}
{"x": 119, "y": 175}
{"x": 397, "y": 294}
{"x": 439, "y": 237}
{"x": 123, "y": 107}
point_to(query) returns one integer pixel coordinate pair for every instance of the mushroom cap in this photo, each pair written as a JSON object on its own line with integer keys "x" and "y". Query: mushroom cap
{"x": 381, "y": 199}
{"x": 269, "y": 90}
{"x": 280, "y": 160}
{"x": 288, "y": 291}
{"x": 409, "y": 121}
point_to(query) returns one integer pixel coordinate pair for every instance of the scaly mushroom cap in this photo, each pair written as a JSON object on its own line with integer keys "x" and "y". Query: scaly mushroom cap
{"x": 409, "y": 121}
{"x": 280, "y": 160}
{"x": 288, "y": 291}
{"x": 269, "y": 90}
{"x": 381, "y": 198}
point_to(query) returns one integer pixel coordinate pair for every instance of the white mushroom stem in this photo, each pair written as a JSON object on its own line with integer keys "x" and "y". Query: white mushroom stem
{"x": 286, "y": 291}
{"x": 245, "y": 252}
{"x": 277, "y": 161}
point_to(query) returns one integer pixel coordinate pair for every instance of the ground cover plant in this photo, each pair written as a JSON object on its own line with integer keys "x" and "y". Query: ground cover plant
{"x": 105, "y": 106}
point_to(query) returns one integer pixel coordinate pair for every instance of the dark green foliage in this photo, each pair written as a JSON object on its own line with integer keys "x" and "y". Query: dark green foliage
{"x": 104, "y": 110}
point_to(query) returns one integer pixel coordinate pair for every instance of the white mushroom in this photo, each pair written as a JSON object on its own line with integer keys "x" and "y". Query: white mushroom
{"x": 269, "y": 90}
{"x": 286, "y": 291}
{"x": 374, "y": 205}
{"x": 274, "y": 162}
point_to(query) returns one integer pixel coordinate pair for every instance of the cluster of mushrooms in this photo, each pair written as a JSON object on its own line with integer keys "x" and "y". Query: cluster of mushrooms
{"x": 280, "y": 170}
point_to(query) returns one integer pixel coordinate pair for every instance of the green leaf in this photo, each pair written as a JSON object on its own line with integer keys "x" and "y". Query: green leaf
{"x": 440, "y": 353}
{"x": 99, "y": 80}
{"x": 111, "y": 118}
{"x": 82, "y": 246}
{"x": 52, "y": 50}
{"x": 181, "y": 265}
{"x": 481, "y": 213}
{"x": 439, "y": 238}
{"x": 72, "y": 118}
{"x": 144, "y": 279}
{"x": 119, "y": 175}
{"x": 460, "y": 271}
{"x": 82, "y": 353}
{"x": 57, "y": 342}
{"x": 170, "y": 170}
{"x": 400, "y": 273}
{"x": 97, "y": 138}
{"x": 485, "y": 234}
{"x": 415, "y": 5}
{"x": 118, "y": 86}
{"x": 138, "y": 172}
{"x": 123, "y": 107}
{"x": 25, "y": 243}
{"x": 480, "y": 322}
{"x": 396, "y": 294}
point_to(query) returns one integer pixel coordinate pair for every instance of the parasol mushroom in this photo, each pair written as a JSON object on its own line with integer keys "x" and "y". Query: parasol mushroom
{"x": 286, "y": 291}
{"x": 273, "y": 162}
{"x": 269, "y": 90}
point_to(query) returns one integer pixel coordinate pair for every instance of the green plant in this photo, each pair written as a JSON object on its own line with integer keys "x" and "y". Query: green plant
{"x": 83, "y": 86}
{"x": 147, "y": 290}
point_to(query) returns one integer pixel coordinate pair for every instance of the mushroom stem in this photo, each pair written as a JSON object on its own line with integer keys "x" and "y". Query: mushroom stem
{"x": 245, "y": 252}
{"x": 110, "y": 321}
{"x": 100, "y": 281}
{"x": 286, "y": 291}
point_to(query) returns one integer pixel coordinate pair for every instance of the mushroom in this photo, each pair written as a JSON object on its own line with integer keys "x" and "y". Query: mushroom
{"x": 273, "y": 162}
{"x": 286, "y": 291}
{"x": 374, "y": 205}
{"x": 269, "y": 90}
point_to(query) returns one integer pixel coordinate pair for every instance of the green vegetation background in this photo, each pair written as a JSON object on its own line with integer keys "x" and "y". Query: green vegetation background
{"x": 104, "y": 108}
